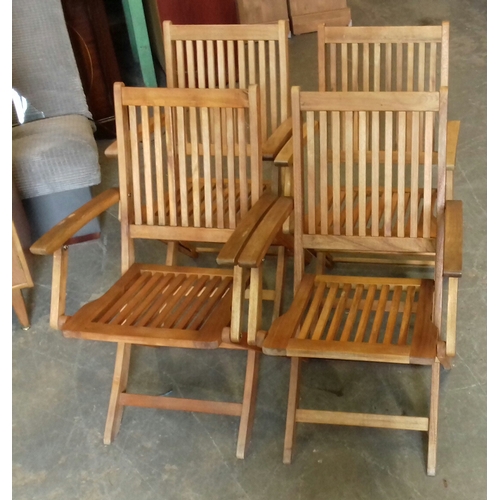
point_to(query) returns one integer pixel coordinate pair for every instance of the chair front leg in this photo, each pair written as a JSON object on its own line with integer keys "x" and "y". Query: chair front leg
{"x": 249, "y": 401}
{"x": 120, "y": 379}
{"x": 293, "y": 403}
{"x": 433, "y": 420}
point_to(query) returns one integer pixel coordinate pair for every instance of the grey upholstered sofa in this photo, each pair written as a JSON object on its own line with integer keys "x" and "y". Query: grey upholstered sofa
{"x": 54, "y": 157}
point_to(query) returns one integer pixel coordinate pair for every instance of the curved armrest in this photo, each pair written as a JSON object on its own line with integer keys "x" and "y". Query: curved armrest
{"x": 284, "y": 328}
{"x": 453, "y": 238}
{"x": 277, "y": 140}
{"x": 56, "y": 237}
{"x": 234, "y": 245}
{"x": 263, "y": 236}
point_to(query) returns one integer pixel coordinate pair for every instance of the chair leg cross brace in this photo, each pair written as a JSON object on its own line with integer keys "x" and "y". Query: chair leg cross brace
{"x": 425, "y": 424}
{"x": 119, "y": 399}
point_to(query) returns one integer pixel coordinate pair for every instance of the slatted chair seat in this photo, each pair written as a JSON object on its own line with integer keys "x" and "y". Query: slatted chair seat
{"x": 342, "y": 317}
{"x": 159, "y": 306}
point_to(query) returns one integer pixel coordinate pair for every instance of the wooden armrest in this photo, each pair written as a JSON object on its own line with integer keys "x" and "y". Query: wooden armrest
{"x": 453, "y": 129}
{"x": 453, "y": 238}
{"x": 56, "y": 237}
{"x": 285, "y": 157}
{"x": 112, "y": 150}
{"x": 263, "y": 236}
{"x": 284, "y": 328}
{"x": 234, "y": 245}
{"x": 277, "y": 140}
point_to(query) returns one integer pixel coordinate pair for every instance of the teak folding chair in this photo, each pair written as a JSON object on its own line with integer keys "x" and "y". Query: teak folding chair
{"x": 365, "y": 197}
{"x": 176, "y": 184}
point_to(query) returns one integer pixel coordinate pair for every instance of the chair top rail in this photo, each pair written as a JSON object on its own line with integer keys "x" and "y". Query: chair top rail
{"x": 385, "y": 34}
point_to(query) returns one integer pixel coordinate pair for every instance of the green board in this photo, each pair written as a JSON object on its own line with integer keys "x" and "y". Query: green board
{"x": 139, "y": 40}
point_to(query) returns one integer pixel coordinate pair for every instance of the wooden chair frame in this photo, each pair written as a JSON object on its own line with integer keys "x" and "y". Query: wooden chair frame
{"x": 375, "y": 319}
{"x": 161, "y": 196}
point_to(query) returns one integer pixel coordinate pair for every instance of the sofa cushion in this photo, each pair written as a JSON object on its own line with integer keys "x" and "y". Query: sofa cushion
{"x": 53, "y": 155}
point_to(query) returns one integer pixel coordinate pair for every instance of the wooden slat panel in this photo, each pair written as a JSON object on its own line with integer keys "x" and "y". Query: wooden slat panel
{"x": 351, "y": 317}
{"x": 229, "y": 32}
{"x": 336, "y": 147}
{"x": 393, "y": 314}
{"x": 339, "y": 311}
{"x": 365, "y": 315}
{"x": 325, "y": 312}
{"x": 311, "y": 170}
{"x": 312, "y": 312}
{"x": 182, "y": 165}
{"x": 401, "y": 126}
{"x": 159, "y": 162}
{"x": 405, "y": 320}
{"x": 370, "y": 101}
{"x": 136, "y": 180}
{"x": 393, "y": 34}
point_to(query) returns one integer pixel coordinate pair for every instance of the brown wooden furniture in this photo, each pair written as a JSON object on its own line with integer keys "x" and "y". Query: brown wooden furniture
{"x": 306, "y": 15}
{"x": 172, "y": 188}
{"x": 90, "y": 36}
{"x": 21, "y": 275}
{"x": 355, "y": 191}
{"x": 258, "y": 12}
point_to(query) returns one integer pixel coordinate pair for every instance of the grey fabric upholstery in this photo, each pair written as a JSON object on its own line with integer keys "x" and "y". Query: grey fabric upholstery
{"x": 44, "y": 69}
{"x": 56, "y": 153}
{"x": 53, "y": 155}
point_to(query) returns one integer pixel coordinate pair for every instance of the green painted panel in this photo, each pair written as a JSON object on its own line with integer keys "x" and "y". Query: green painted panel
{"x": 139, "y": 40}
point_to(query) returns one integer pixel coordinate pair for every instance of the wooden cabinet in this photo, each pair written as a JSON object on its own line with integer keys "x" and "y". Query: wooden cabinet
{"x": 90, "y": 36}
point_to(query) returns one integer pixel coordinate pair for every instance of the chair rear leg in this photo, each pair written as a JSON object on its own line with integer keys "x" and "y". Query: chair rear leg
{"x": 280, "y": 282}
{"x": 249, "y": 400}
{"x": 120, "y": 378}
{"x": 293, "y": 403}
{"x": 433, "y": 420}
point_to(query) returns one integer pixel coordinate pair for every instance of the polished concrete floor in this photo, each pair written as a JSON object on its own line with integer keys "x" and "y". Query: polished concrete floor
{"x": 60, "y": 387}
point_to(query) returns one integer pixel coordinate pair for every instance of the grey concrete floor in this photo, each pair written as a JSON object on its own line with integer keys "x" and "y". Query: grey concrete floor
{"x": 60, "y": 387}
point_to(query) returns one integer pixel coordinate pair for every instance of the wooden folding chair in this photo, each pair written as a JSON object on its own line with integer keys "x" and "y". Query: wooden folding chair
{"x": 366, "y": 197}
{"x": 176, "y": 185}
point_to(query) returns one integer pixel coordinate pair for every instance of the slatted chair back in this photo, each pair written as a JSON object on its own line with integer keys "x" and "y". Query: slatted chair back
{"x": 370, "y": 196}
{"x": 179, "y": 181}
{"x": 234, "y": 56}
{"x": 387, "y": 59}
